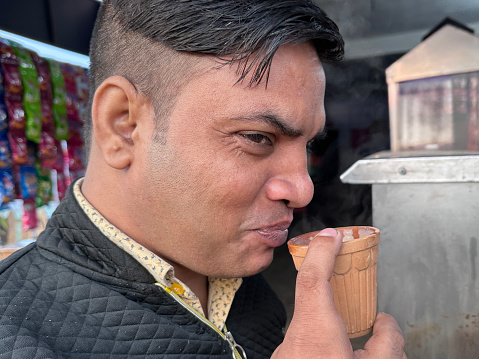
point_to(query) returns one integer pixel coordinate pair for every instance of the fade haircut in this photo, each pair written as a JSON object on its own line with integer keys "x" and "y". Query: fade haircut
{"x": 156, "y": 44}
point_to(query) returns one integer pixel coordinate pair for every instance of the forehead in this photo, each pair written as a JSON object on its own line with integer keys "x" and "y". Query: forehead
{"x": 289, "y": 59}
{"x": 294, "y": 90}
{"x": 297, "y": 63}
{"x": 295, "y": 69}
{"x": 296, "y": 83}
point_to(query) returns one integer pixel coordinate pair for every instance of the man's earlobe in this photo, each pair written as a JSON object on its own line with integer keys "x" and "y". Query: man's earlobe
{"x": 115, "y": 108}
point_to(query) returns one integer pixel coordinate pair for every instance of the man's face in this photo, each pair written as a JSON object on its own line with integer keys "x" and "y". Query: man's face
{"x": 218, "y": 195}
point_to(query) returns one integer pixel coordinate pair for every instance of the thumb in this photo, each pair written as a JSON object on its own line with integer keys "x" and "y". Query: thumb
{"x": 316, "y": 329}
{"x": 313, "y": 288}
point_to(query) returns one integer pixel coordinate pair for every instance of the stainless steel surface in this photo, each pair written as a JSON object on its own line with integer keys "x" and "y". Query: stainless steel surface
{"x": 414, "y": 167}
{"x": 428, "y": 265}
{"x": 428, "y": 255}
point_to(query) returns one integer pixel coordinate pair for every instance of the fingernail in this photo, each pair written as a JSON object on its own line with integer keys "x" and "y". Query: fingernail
{"x": 328, "y": 232}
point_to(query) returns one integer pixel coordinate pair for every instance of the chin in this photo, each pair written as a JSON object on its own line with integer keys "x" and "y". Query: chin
{"x": 255, "y": 265}
{"x": 242, "y": 265}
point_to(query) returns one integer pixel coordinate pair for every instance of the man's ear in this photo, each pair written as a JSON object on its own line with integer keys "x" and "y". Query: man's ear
{"x": 116, "y": 109}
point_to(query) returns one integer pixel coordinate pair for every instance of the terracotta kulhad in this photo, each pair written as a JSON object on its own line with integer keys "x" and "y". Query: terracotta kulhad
{"x": 354, "y": 279}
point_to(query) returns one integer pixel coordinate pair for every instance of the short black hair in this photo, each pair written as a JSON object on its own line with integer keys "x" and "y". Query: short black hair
{"x": 138, "y": 39}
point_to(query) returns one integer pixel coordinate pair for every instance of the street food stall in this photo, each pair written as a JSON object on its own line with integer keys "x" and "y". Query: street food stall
{"x": 425, "y": 197}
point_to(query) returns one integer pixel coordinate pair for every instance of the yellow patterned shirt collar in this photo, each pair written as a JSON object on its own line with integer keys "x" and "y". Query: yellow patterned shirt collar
{"x": 221, "y": 291}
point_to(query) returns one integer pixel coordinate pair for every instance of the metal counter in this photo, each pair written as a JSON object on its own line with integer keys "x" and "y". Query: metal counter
{"x": 427, "y": 208}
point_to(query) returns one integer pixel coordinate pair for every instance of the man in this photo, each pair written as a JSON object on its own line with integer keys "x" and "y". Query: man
{"x": 201, "y": 112}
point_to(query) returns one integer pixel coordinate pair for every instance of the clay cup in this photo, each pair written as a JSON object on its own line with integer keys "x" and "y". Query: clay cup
{"x": 354, "y": 279}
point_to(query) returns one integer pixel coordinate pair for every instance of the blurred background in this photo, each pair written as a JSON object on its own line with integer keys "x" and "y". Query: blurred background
{"x": 378, "y": 34}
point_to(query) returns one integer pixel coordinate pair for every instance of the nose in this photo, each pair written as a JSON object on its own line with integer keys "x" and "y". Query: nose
{"x": 291, "y": 183}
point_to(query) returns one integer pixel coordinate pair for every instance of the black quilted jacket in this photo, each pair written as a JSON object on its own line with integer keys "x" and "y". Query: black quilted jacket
{"x": 75, "y": 294}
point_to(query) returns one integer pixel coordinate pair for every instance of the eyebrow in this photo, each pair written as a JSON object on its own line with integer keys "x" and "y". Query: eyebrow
{"x": 276, "y": 122}
{"x": 281, "y": 125}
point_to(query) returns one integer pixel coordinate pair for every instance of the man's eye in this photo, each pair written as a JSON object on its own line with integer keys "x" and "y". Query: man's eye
{"x": 258, "y": 138}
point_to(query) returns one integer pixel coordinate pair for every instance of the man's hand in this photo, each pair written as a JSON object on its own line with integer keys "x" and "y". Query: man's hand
{"x": 386, "y": 342}
{"x": 317, "y": 330}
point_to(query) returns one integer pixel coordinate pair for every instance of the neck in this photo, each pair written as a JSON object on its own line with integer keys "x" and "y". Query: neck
{"x": 98, "y": 193}
{"x": 198, "y": 283}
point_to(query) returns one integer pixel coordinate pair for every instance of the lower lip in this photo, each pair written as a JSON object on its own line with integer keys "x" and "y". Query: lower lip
{"x": 273, "y": 238}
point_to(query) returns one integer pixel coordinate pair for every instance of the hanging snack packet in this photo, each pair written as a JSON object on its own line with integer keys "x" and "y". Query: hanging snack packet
{"x": 69, "y": 74}
{"x": 75, "y": 129}
{"x": 62, "y": 185}
{"x": 60, "y": 165}
{"x": 31, "y": 94}
{"x": 59, "y": 101}
{"x": 9, "y": 61}
{"x": 6, "y": 179}
{"x": 44, "y": 193}
{"x": 46, "y": 148}
{"x": 14, "y": 103}
{"x": 46, "y": 92}
{"x": 12, "y": 86}
{"x": 81, "y": 77}
{"x": 55, "y": 161}
{"x": 15, "y": 113}
{"x": 2, "y": 196}
{"x": 27, "y": 176}
{"x": 75, "y": 142}
{"x": 18, "y": 145}
{"x": 17, "y": 181}
{"x": 3, "y": 110}
{"x": 30, "y": 219}
{"x": 5, "y": 154}
{"x": 75, "y": 157}
{"x": 28, "y": 182}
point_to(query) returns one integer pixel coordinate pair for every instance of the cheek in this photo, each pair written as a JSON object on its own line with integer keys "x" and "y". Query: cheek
{"x": 236, "y": 184}
{"x": 199, "y": 184}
